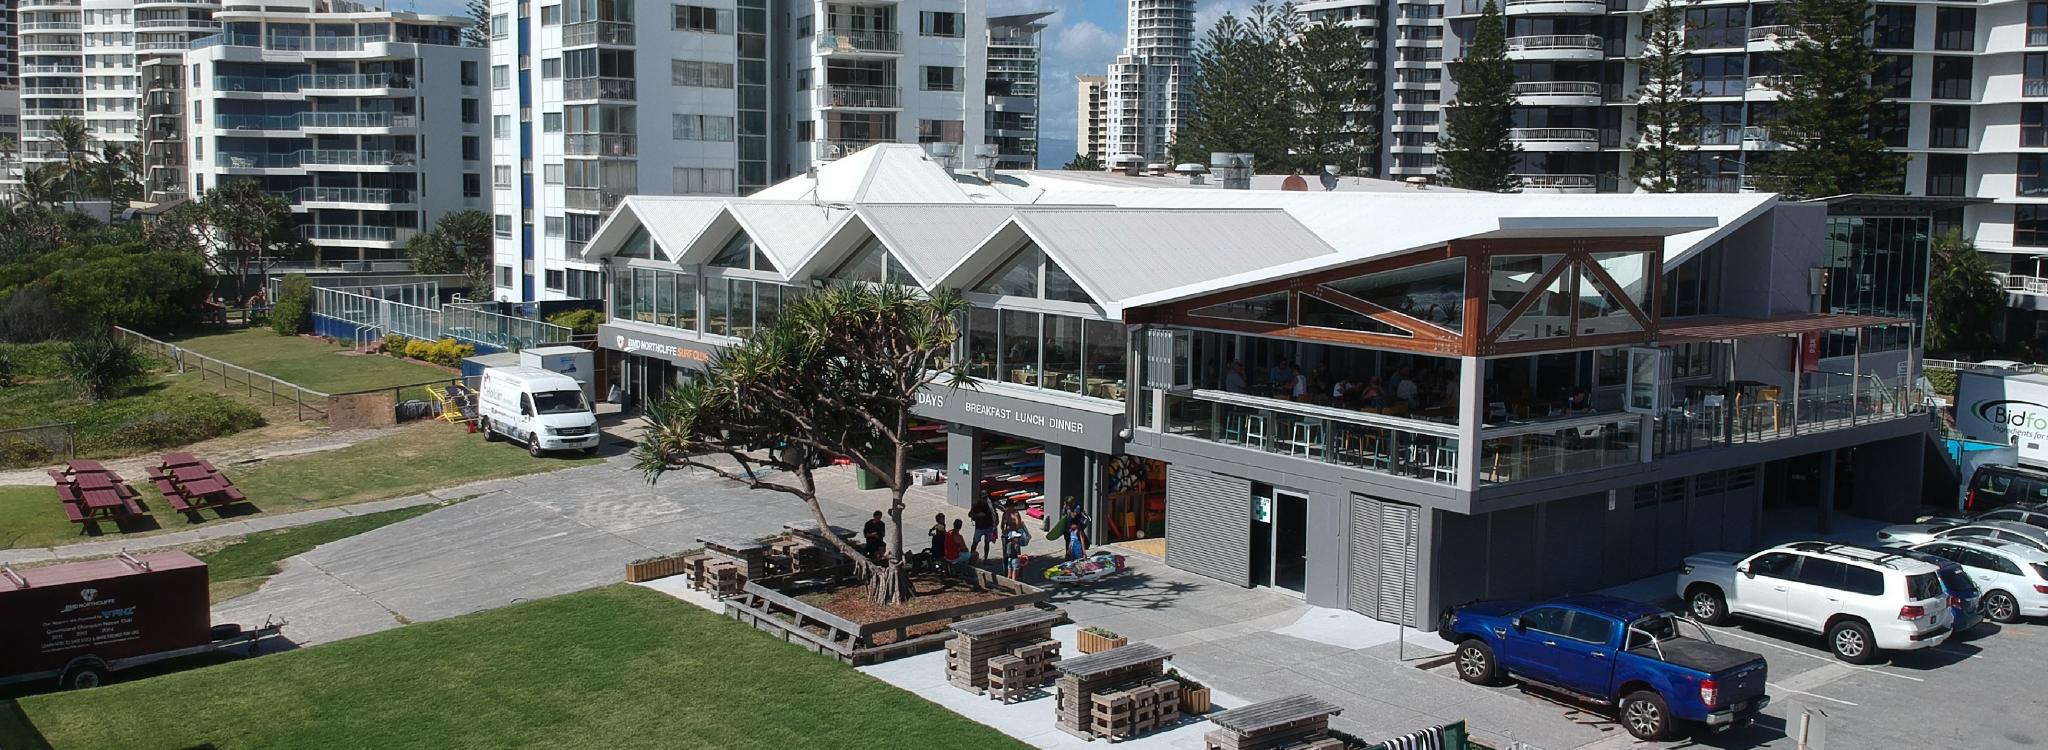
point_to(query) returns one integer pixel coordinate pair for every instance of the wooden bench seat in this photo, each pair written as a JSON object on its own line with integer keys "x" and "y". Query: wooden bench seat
{"x": 76, "y": 515}
{"x": 177, "y": 501}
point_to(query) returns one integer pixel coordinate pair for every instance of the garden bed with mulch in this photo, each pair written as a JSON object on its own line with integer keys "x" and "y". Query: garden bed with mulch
{"x": 934, "y": 593}
{"x": 834, "y": 617}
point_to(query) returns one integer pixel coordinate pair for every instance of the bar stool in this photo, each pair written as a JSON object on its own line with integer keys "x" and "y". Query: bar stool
{"x": 1306, "y": 439}
{"x": 1255, "y": 430}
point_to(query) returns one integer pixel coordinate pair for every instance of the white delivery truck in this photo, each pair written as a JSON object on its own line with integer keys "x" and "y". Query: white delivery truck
{"x": 2007, "y": 407}
{"x": 544, "y": 410}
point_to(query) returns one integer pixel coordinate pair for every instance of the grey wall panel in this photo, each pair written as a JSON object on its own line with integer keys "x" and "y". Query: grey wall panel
{"x": 1460, "y": 572}
{"x": 1208, "y": 524}
{"x": 1327, "y": 550}
{"x": 1573, "y": 543}
{"x": 1512, "y": 550}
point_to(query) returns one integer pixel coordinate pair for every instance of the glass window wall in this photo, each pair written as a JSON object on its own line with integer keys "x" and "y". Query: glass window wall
{"x": 1044, "y": 350}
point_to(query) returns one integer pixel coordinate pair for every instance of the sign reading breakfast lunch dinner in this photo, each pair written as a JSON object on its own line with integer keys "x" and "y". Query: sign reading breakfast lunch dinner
{"x": 1023, "y": 417}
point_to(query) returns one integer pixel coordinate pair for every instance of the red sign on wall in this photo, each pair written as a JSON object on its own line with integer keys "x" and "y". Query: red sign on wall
{"x": 1809, "y": 351}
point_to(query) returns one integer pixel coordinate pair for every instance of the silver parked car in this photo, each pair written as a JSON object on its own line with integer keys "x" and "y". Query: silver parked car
{"x": 2007, "y": 531}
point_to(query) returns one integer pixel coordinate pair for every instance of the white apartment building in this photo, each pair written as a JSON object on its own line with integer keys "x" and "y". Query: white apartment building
{"x": 1145, "y": 105}
{"x": 1091, "y": 116}
{"x": 1013, "y": 89}
{"x": 1412, "y": 31}
{"x": 595, "y": 100}
{"x": 368, "y": 122}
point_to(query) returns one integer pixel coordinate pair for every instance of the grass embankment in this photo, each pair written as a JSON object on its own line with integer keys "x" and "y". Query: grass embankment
{"x": 243, "y": 564}
{"x": 407, "y": 460}
{"x": 310, "y": 363}
{"x": 156, "y": 411}
{"x": 618, "y": 667}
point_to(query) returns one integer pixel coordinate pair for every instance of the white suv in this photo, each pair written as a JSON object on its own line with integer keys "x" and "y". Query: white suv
{"x": 1864, "y": 600}
{"x": 2013, "y": 576}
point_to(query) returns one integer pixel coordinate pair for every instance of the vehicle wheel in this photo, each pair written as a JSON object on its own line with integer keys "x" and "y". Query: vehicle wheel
{"x": 1644, "y": 714}
{"x": 84, "y": 676}
{"x": 533, "y": 445}
{"x": 1851, "y": 642}
{"x": 1476, "y": 663}
{"x": 2001, "y": 607}
{"x": 483, "y": 424}
{"x": 1708, "y": 605}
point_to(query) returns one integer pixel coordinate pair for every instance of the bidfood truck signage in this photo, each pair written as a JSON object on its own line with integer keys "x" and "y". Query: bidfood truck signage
{"x": 2006, "y": 407}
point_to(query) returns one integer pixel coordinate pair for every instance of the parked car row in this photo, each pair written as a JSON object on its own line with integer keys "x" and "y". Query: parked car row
{"x": 1863, "y": 600}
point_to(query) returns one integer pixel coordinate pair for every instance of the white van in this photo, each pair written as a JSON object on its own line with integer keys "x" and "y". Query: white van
{"x": 545, "y": 410}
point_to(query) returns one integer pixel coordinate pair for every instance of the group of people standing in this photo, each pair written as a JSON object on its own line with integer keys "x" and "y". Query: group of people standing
{"x": 950, "y": 546}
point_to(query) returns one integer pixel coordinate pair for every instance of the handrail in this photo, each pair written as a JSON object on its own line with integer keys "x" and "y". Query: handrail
{"x": 1555, "y": 424}
{"x": 1438, "y": 429}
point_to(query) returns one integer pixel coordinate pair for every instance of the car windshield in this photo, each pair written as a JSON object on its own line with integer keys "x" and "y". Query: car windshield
{"x": 1659, "y": 627}
{"x": 559, "y": 402}
{"x": 1923, "y": 586}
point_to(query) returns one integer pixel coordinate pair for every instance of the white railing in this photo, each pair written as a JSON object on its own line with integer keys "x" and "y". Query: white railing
{"x": 50, "y": 26}
{"x": 351, "y": 195}
{"x": 2019, "y": 284}
{"x": 597, "y": 32}
{"x": 1558, "y": 181}
{"x": 1776, "y": 33}
{"x": 2034, "y": 87}
{"x": 355, "y": 233}
{"x": 186, "y": 23}
{"x": 1557, "y": 88}
{"x": 1554, "y": 135}
{"x": 1555, "y": 41}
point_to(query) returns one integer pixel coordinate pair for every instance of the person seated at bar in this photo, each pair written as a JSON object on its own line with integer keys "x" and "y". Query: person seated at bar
{"x": 1280, "y": 377}
{"x": 1408, "y": 390}
{"x": 1297, "y": 385}
{"x": 1374, "y": 394}
{"x": 1233, "y": 378}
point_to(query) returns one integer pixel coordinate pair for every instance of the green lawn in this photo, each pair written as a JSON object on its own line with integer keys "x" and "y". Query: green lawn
{"x": 310, "y": 363}
{"x": 243, "y": 565}
{"x": 618, "y": 668}
{"x": 410, "y": 459}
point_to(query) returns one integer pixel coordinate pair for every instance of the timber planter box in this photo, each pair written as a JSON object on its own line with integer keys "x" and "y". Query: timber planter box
{"x": 1194, "y": 696}
{"x": 651, "y": 568}
{"x": 1093, "y": 640}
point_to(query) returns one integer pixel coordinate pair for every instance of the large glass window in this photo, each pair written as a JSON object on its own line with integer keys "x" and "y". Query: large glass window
{"x": 2034, "y": 124}
{"x": 1029, "y": 273}
{"x": 717, "y": 311}
{"x": 740, "y": 294}
{"x": 1062, "y": 353}
{"x": 984, "y": 351}
{"x": 2033, "y": 180}
{"x": 643, "y": 295}
{"x": 1949, "y": 126}
{"x": 2030, "y": 225}
{"x": 1513, "y": 277}
{"x": 1020, "y": 347}
{"x": 1431, "y": 292}
{"x": 1694, "y": 287}
{"x": 741, "y": 252}
{"x": 1876, "y": 266}
{"x": 1952, "y": 77}
{"x": 1893, "y": 26}
{"x": 1105, "y": 343}
{"x": 1955, "y": 29}
{"x": 874, "y": 264}
{"x": 685, "y": 290}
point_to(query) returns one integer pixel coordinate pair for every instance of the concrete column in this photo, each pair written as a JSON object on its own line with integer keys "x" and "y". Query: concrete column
{"x": 963, "y": 467}
{"x": 1066, "y": 478}
{"x": 1826, "y": 522}
{"x": 1471, "y": 418}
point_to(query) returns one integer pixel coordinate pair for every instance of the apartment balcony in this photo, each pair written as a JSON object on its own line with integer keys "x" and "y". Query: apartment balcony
{"x": 182, "y": 4}
{"x": 859, "y": 43}
{"x": 601, "y": 144}
{"x": 1759, "y": 137}
{"x": 591, "y": 199}
{"x": 1770, "y": 38}
{"x": 33, "y": 4}
{"x": 1556, "y": 47}
{"x": 355, "y": 233}
{"x": 830, "y": 150}
{"x": 52, "y": 47}
{"x": 61, "y": 91}
{"x": 52, "y": 69}
{"x": 1412, "y": 448}
{"x": 587, "y": 33}
{"x": 349, "y": 197}
{"x": 35, "y": 26}
{"x": 231, "y": 160}
{"x": 598, "y": 89}
{"x": 2034, "y": 87}
{"x": 1559, "y": 183}
{"x": 52, "y": 112}
{"x": 2037, "y": 36}
{"x": 256, "y": 84}
{"x": 1554, "y": 8}
{"x": 193, "y": 24}
{"x": 357, "y": 121}
{"x": 1557, "y": 93}
{"x": 837, "y": 96}
{"x": 336, "y": 157}
{"x": 1555, "y": 139}
{"x": 294, "y": 43}
{"x": 1717, "y": 183}
{"x": 1717, "y": 135}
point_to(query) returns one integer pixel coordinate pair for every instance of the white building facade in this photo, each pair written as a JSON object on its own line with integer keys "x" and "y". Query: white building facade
{"x": 1146, "y": 104}
{"x": 367, "y": 122}
{"x": 595, "y": 100}
{"x": 1091, "y": 115}
{"x": 1013, "y": 88}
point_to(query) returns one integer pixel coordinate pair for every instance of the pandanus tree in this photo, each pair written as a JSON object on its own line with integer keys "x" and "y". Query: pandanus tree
{"x": 836, "y": 375}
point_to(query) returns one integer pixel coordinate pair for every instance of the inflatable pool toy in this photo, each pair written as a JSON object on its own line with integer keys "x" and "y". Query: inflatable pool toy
{"x": 1090, "y": 568}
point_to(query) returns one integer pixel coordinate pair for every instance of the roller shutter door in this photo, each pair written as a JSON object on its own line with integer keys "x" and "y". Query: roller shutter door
{"x": 1365, "y": 555}
{"x": 1209, "y": 524}
{"x": 1384, "y": 539}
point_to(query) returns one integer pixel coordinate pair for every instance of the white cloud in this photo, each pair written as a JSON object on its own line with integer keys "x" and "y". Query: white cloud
{"x": 1207, "y": 11}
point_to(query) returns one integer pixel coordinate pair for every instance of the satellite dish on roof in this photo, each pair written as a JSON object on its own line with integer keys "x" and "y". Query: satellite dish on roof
{"x": 1329, "y": 179}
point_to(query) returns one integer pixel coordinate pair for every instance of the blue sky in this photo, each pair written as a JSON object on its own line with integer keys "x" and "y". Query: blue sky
{"x": 1081, "y": 38}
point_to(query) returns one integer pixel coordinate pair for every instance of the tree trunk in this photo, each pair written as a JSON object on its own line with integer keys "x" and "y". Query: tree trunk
{"x": 890, "y": 584}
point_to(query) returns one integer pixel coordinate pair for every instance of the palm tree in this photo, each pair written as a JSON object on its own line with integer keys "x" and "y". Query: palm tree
{"x": 113, "y": 176}
{"x": 73, "y": 138}
{"x": 7, "y": 156}
{"x": 42, "y": 185}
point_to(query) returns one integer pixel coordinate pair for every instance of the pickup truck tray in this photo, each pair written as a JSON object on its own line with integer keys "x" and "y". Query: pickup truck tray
{"x": 1692, "y": 653}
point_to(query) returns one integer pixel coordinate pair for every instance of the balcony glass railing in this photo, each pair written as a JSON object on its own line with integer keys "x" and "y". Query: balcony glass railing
{"x": 1513, "y": 453}
{"x": 350, "y": 195}
{"x": 591, "y": 199}
{"x": 232, "y": 160}
{"x": 355, "y": 233}
{"x": 1554, "y": 135}
{"x": 261, "y": 84}
{"x": 2034, "y": 87}
{"x": 1775, "y": 33}
{"x": 858, "y": 40}
{"x": 876, "y": 97}
{"x": 176, "y": 23}
{"x": 601, "y": 144}
{"x": 583, "y": 89}
{"x": 33, "y": 69}
{"x": 356, "y": 120}
{"x": 1555, "y": 42}
{"x": 354, "y": 81}
{"x": 1412, "y": 448}
{"x": 1826, "y": 401}
{"x": 597, "y": 32}
{"x": 355, "y": 157}
{"x": 829, "y": 150}
{"x": 1557, "y": 88}
{"x": 1558, "y": 181}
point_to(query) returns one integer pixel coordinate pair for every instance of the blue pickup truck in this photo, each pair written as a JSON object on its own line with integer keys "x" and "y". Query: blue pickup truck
{"x": 1611, "y": 652}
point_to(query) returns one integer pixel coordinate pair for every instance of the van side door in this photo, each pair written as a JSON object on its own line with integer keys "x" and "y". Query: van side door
{"x": 526, "y": 413}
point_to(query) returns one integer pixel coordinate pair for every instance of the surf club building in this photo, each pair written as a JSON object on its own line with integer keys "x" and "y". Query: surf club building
{"x": 1377, "y": 397}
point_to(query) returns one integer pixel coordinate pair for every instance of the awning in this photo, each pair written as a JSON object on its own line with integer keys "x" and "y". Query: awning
{"x": 1723, "y": 329}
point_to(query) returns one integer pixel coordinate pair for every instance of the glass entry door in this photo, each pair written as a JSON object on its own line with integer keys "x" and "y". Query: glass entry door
{"x": 1279, "y": 539}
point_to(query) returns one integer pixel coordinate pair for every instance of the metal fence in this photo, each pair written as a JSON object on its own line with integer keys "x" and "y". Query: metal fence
{"x": 470, "y": 322}
{"x": 38, "y": 445}
{"x": 306, "y": 403}
{"x": 466, "y": 322}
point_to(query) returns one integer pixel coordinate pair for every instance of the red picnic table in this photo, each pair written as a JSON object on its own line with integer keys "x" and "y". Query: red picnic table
{"x": 180, "y": 459}
{"x": 83, "y": 466}
{"x": 94, "y": 480}
{"x": 186, "y": 474}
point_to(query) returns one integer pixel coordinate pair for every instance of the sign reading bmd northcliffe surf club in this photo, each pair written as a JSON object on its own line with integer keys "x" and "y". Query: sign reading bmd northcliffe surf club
{"x": 1031, "y": 420}
{"x": 632, "y": 341}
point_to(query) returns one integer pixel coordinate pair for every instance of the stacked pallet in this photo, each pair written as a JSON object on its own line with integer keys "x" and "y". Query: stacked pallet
{"x": 979, "y": 640}
{"x": 1025, "y": 668}
{"x": 1118, "y": 670}
{"x": 1136, "y": 709}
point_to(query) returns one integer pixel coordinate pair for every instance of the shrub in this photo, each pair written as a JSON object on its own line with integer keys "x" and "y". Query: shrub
{"x": 450, "y": 353}
{"x": 16, "y": 452}
{"x": 169, "y": 429}
{"x": 1944, "y": 381}
{"x": 394, "y": 344}
{"x": 30, "y": 315}
{"x": 582, "y": 322}
{"x": 6, "y": 369}
{"x": 292, "y": 313}
{"x": 418, "y": 349}
{"x": 101, "y": 365}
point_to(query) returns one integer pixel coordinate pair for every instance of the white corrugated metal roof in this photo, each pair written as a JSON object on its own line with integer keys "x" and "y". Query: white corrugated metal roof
{"x": 930, "y": 239}
{"x": 883, "y": 173}
{"x": 673, "y": 221}
{"x": 787, "y": 232}
{"x": 1123, "y": 255}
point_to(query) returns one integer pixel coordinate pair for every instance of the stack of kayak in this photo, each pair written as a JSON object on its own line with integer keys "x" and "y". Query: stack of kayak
{"x": 1014, "y": 474}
